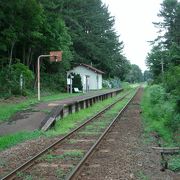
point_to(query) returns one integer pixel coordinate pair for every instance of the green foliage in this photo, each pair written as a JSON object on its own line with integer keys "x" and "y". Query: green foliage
{"x": 174, "y": 163}
{"x": 172, "y": 81}
{"x": 147, "y": 76}
{"x": 167, "y": 45}
{"x": 141, "y": 175}
{"x": 10, "y": 79}
{"x": 115, "y": 82}
{"x": 83, "y": 30}
{"x": 77, "y": 82}
{"x": 156, "y": 94}
{"x": 13, "y": 139}
{"x": 135, "y": 75}
{"x": 159, "y": 114}
{"x": 53, "y": 82}
{"x": 32, "y": 30}
{"x": 94, "y": 39}
{"x": 163, "y": 61}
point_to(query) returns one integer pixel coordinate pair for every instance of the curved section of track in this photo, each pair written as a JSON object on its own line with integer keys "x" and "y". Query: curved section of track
{"x": 34, "y": 160}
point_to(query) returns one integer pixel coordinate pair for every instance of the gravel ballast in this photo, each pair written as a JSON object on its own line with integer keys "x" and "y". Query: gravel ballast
{"x": 124, "y": 154}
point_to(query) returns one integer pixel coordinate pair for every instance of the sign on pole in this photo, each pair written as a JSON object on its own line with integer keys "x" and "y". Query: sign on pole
{"x": 55, "y": 56}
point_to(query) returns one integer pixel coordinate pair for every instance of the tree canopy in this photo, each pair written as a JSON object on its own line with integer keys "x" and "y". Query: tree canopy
{"x": 166, "y": 47}
{"x": 164, "y": 58}
{"x": 82, "y": 29}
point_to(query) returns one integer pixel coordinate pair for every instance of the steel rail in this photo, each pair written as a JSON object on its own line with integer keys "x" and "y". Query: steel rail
{"x": 30, "y": 162}
{"x": 76, "y": 170}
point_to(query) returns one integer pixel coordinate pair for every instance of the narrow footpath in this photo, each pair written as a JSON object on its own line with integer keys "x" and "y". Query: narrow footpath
{"x": 125, "y": 154}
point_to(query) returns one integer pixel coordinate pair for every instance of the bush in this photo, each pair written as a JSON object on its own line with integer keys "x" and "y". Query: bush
{"x": 77, "y": 83}
{"x": 172, "y": 81}
{"x": 112, "y": 83}
{"x": 174, "y": 163}
{"x": 156, "y": 94}
{"x": 53, "y": 82}
{"x": 159, "y": 112}
{"x": 10, "y": 79}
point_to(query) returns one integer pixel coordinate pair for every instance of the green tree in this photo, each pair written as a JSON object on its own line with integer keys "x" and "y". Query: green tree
{"x": 167, "y": 45}
{"x": 147, "y": 75}
{"x": 135, "y": 74}
{"x": 94, "y": 39}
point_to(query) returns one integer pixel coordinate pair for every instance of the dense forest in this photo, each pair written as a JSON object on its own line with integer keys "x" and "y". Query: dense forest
{"x": 164, "y": 64}
{"x": 82, "y": 29}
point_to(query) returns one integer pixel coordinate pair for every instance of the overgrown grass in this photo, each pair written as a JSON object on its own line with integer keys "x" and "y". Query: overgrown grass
{"x": 62, "y": 126}
{"x": 65, "y": 156}
{"x": 174, "y": 163}
{"x": 159, "y": 116}
{"x": 157, "y": 113}
{"x": 8, "y": 109}
{"x": 24, "y": 176}
{"x": 13, "y": 139}
{"x": 140, "y": 175}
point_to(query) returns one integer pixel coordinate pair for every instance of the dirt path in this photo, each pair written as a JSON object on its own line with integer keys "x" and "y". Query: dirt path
{"x": 124, "y": 154}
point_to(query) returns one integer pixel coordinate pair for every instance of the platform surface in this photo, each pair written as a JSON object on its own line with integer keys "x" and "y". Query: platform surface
{"x": 31, "y": 119}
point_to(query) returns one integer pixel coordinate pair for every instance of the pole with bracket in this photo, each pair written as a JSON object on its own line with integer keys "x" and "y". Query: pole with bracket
{"x": 38, "y": 66}
{"x": 55, "y": 56}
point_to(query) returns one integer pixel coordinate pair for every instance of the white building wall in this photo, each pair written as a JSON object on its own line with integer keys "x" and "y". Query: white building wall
{"x": 95, "y": 79}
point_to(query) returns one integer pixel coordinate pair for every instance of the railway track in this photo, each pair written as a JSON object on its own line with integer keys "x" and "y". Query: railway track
{"x": 79, "y": 172}
{"x": 68, "y": 153}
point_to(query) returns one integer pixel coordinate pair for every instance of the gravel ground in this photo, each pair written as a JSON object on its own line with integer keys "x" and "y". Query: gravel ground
{"x": 17, "y": 155}
{"x": 124, "y": 154}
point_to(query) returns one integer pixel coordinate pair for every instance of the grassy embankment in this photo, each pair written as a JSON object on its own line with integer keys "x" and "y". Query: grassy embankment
{"x": 63, "y": 126}
{"x": 160, "y": 116}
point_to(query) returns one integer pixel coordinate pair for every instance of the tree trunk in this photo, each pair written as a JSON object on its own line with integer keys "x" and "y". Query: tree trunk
{"x": 36, "y": 79}
{"x": 28, "y": 57}
{"x": 24, "y": 54}
{"x": 11, "y": 53}
{"x": 31, "y": 59}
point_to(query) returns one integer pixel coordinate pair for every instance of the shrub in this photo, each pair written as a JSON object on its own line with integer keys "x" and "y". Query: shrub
{"x": 159, "y": 112}
{"x": 10, "y": 79}
{"x": 156, "y": 94}
{"x": 77, "y": 83}
{"x": 53, "y": 82}
{"x": 172, "y": 81}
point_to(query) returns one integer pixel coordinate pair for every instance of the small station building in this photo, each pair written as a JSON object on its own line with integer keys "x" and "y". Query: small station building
{"x": 91, "y": 77}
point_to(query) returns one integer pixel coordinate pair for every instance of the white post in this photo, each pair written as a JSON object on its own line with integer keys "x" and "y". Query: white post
{"x": 38, "y": 66}
{"x": 70, "y": 84}
{"x": 21, "y": 83}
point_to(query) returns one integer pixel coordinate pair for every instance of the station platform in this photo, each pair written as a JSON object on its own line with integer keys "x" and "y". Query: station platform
{"x": 43, "y": 114}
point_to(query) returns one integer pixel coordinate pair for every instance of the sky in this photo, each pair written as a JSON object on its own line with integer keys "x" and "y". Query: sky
{"x": 133, "y": 22}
